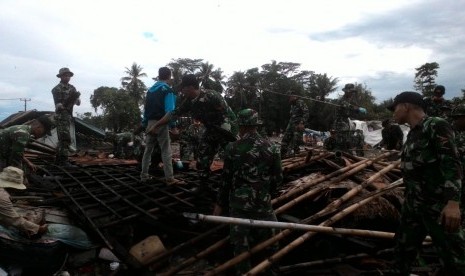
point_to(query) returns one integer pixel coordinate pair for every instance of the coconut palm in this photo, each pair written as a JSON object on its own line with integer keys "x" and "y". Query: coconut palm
{"x": 131, "y": 83}
{"x": 321, "y": 85}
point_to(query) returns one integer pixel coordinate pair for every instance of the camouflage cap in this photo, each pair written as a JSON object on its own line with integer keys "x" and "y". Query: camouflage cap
{"x": 48, "y": 123}
{"x": 248, "y": 117}
{"x": 349, "y": 87}
{"x": 63, "y": 71}
{"x": 458, "y": 111}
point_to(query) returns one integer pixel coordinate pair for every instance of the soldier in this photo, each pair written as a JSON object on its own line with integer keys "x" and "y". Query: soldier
{"x": 251, "y": 173}
{"x": 14, "y": 140}
{"x": 436, "y": 105}
{"x": 432, "y": 177}
{"x": 65, "y": 97}
{"x": 121, "y": 143}
{"x": 330, "y": 142}
{"x": 392, "y": 134}
{"x": 347, "y": 108}
{"x": 213, "y": 112}
{"x": 190, "y": 139}
{"x": 296, "y": 126}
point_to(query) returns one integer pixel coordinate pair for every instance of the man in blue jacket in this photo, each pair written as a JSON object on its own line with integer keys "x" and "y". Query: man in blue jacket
{"x": 160, "y": 100}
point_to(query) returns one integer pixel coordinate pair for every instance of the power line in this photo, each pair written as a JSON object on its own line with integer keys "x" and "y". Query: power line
{"x": 21, "y": 99}
{"x": 25, "y": 100}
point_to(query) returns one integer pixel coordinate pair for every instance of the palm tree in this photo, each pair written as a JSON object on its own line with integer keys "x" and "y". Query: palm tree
{"x": 133, "y": 84}
{"x": 321, "y": 85}
{"x": 236, "y": 90}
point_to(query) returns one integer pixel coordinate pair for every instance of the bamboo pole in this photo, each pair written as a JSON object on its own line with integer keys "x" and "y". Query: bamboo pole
{"x": 302, "y": 184}
{"x": 352, "y": 192}
{"x": 191, "y": 260}
{"x": 259, "y": 247}
{"x": 303, "y": 162}
{"x": 300, "y": 240}
{"x": 292, "y": 160}
{"x": 382, "y": 163}
{"x": 290, "y": 225}
{"x": 330, "y": 260}
{"x": 310, "y": 193}
{"x": 195, "y": 258}
{"x": 183, "y": 245}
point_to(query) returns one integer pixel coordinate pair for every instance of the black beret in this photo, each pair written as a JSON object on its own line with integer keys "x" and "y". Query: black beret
{"x": 408, "y": 97}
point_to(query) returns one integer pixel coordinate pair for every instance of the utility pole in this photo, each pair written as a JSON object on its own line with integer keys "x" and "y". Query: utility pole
{"x": 25, "y": 100}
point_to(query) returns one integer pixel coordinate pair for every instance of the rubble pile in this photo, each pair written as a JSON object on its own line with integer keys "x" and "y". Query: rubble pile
{"x": 147, "y": 228}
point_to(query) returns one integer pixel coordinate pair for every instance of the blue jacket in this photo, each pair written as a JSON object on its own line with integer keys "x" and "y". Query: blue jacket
{"x": 160, "y": 99}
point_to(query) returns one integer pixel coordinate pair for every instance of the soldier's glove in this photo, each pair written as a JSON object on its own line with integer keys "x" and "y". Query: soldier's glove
{"x": 362, "y": 110}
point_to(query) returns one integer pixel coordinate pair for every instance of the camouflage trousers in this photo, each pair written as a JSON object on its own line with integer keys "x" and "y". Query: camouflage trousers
{"x": 413, "y": 229}
{"x": 187, "y": 150}
{"x": 210, "y": 144}
{"x": 244, "y": 237}
{"x": 63, "y": 121}
{"x": 292, "y": 138}
{"x": 122, "y": 150}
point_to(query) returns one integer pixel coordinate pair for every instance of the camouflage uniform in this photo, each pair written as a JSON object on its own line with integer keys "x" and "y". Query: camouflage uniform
{"x": 293, "y": 136}
{"x": 437, "y": 108}
{"x": 432, "y": 177}
{"x": 458, "y": 113}
{"x": 62, "y": 93}
{"x": 189, "y": 141}
{"x": 13, "y": 141}
{"x": 252, "y": 171}
{"x": 336, "y": 143}
{"x": 212, "y": 111}
{"x": 347, "y": 108}
{"x": 121, "y": 144}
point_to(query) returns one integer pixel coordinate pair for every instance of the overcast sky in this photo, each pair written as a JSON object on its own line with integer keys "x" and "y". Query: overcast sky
{"x": 375, "y": 42}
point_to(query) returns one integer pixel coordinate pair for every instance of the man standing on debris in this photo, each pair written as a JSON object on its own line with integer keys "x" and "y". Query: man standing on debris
{"x": 14, "y": 140}
{"x": 12, "y": 178}
{"x": 159, "y": 101}
{"x": 296, "y": 126}
{"x": 251, "y": 173}
{"x": 347, "y": 108}
{"x": 432, "y": 177}
{"x": 436, "y": 105}
{"x": 65, "y": 97}
{"x": 213, "y": 112}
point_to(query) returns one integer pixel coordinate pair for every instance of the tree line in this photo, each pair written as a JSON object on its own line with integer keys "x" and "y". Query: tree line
{"x": 264, "y": 89}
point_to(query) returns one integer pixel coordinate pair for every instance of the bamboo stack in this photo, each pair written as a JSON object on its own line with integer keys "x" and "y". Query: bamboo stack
{"x": 306, "y": 188}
